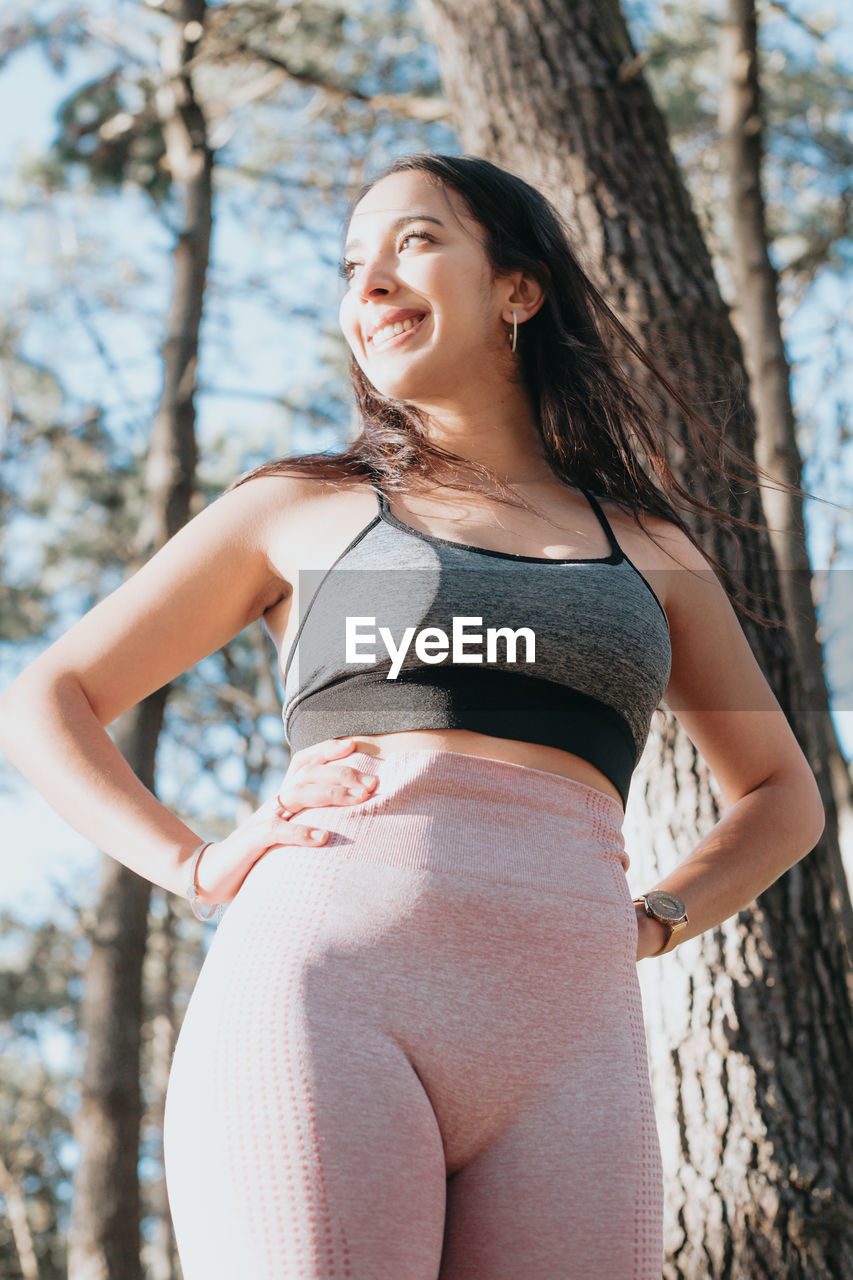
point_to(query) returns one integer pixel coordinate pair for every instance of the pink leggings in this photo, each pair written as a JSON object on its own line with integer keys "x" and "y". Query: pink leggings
{"x": 417, "y": 1052}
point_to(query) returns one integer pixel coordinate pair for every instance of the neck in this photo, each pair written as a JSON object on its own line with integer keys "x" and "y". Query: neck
{"x": 498, "y": 430}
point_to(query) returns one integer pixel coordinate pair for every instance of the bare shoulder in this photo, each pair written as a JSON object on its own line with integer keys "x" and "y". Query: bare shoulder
{"x": 691, "y": 584}
{"x": 659, "y": 550}
{"x": 276, "y": 496}
{"x": 658, "y": 542}
{"x": 256, "y": 514}
{"x": 314, "y": 521}
{"x": 287, "y": 514}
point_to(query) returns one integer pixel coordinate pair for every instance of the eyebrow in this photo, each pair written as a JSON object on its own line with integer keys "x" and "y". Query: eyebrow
{"x": 401, "y": 222}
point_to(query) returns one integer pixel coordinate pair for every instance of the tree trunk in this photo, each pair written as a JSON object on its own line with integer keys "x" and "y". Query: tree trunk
{"x": 104, "y": 1241}
{"x": 161, "y": 1254}
{"x": 750, "y": 1025}
{"x": 16, "y": 1211}
{"x": 757, "y": 320}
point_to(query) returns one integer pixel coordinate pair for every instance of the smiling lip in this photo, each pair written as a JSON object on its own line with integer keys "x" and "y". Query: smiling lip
{"x": 398, "y": 337}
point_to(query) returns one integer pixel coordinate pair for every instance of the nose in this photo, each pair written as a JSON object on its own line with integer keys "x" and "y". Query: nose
{"x": 376, "y": 277}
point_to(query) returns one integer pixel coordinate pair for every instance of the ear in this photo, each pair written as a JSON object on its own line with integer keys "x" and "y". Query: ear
{"x": 524, "y": 295}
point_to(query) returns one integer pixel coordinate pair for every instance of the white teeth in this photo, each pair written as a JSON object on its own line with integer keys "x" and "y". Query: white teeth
{"x": 391, "y": 330}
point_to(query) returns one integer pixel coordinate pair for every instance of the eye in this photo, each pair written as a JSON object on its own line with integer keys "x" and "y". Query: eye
{"x": 414, "y": 235}
{"x": 346, "y": 266}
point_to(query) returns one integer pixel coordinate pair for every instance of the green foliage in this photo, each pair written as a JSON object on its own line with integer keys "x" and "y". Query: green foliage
{"x": 114, "y": 145}
{"x": 806, "y": 93}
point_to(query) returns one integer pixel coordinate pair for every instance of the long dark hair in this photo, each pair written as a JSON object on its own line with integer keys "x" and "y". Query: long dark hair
{"x": 596, "y": 428}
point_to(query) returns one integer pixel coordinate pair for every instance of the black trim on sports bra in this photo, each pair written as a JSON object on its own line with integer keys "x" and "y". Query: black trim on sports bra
{"x": 617, "y": 555}
{"x": 616, "y": 552}
{"x": 626, "y": 557}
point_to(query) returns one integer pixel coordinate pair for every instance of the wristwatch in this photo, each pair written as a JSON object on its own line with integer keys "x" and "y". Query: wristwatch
{"x": 667, "y": 908}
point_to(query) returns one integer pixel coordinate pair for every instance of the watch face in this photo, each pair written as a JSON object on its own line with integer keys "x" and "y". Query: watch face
{"x": 666, "y": 905}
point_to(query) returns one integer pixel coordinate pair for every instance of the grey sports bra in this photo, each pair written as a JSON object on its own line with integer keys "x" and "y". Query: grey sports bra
{"x": 408, "y": 631}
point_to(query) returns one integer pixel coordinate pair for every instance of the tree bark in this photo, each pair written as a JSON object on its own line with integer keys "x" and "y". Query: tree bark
{"x": 161, "y": 1254}
{"x": 104, "y": 1241}
{"x": 750, "y": 1025}
{"x": 756, "y": 318}
{"x": 16, "y": 1210}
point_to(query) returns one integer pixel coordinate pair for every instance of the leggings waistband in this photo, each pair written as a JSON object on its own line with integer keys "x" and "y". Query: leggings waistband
{"x": 448, "y": 811}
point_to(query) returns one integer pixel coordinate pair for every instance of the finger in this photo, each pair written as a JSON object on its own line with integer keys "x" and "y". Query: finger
{"x": 318, "y": 781}
{"x": 352, "y": 778}
{"x": 284, "y": 807}
{"x": 348, "y": 793}
{"x": 321, "y": 752}
{"x": 315, "y": 786}
{"x": 325, "y": 790}
{"x": 293, "y": 833}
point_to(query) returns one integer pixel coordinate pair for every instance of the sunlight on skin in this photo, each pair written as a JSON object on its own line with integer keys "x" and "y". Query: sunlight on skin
{"x": 456, "y": 365}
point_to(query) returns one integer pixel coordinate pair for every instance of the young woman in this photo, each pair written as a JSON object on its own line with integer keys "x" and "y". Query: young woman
{"x": 416, "y": 1046}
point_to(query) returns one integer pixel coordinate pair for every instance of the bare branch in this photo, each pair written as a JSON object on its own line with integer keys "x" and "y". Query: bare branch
{"x": 416, "y": 107}
{"x": 798, "y": 21}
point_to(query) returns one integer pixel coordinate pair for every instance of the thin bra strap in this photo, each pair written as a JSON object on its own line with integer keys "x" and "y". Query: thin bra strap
{"x": 602, "y": 518}
{"x": 383, "y": 501}
{"x": 603, "y": 521}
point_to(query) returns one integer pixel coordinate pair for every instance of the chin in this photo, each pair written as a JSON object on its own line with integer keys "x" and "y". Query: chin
{"x": 407, "y": 389}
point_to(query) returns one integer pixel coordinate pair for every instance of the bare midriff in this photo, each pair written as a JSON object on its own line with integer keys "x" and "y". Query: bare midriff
{"x": 530, "y": 754}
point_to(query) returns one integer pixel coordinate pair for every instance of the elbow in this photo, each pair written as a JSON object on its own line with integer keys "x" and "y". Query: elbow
{"x": 797, "y": 806}
{"x": 811, "y": 812}
{"x": 20, "y": 704}
{"x": 820, "y": 822}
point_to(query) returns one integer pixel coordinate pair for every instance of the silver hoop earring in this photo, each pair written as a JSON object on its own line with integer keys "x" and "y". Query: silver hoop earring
{"x": 514, "y": 332}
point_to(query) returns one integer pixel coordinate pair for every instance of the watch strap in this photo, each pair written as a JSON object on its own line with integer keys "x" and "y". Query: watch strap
{"x": 675, "y": 928}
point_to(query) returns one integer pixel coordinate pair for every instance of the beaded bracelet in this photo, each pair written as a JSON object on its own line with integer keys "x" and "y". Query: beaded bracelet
{"x": 193, "y": 890}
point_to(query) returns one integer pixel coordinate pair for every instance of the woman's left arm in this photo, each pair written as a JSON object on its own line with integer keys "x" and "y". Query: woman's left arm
{"x": 774, "y": 814}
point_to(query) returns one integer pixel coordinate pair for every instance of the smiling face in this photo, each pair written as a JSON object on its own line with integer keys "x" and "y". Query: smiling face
{"x": 423, "y": 314}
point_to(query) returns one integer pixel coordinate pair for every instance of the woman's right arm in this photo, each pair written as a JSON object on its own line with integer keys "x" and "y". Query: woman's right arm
{"x": 209, "y": 582}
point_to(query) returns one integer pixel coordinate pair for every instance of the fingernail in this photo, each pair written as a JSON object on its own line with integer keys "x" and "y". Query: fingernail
{"x": 316, "y": 833}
